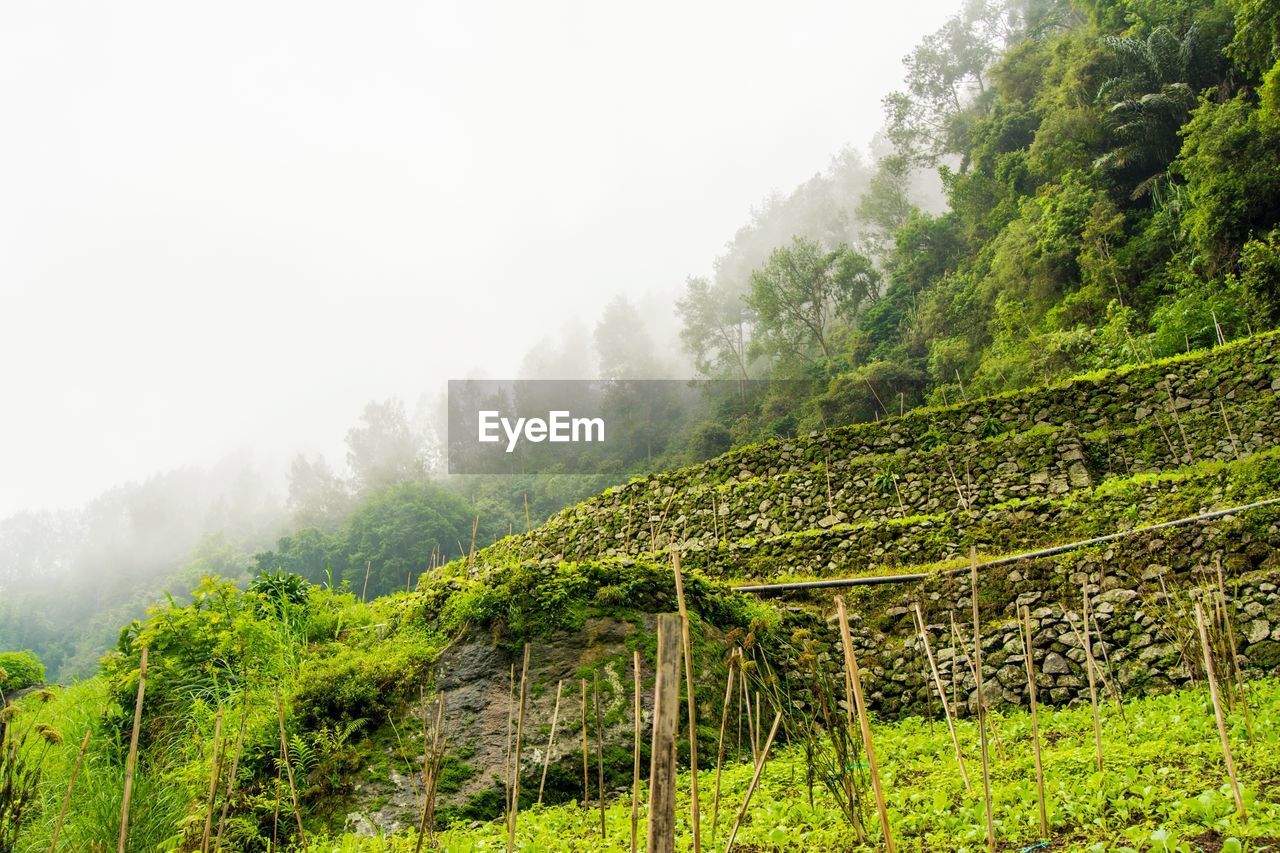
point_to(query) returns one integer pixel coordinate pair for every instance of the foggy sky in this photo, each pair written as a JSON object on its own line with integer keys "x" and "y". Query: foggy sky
{"x": 231, "y": 225}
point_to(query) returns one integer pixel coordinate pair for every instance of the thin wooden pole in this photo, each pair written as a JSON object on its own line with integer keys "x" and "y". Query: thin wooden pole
{"x": 215, "y": 768}
{"x": 1029, "y": 650}
{"x": 989, "y": 718}
{"x": 429, "y": 755}
{"x": 695, "y": 811}
{"x": 551, "y": 741}
{"x": 1217, "y": 710}
{"x": 759, "y": 729}
{"x": 942, "y": 694}
{"x": 66, "y": 800}
{"x": 864, "y": 722}
{"x": 368, "y": 567}
{"x": 1231, "y": 643}
{"x": 724, "y": 724}
{"x": 595, "y": 695}
{"x": 231, "y": 778}
{"x": 982, "y": 698}
{"x": 275, "y": 812}
{"x": 586, "y": 762}
{"x": 131, "y": 763}
{"x": 662, "y": 765}
{"x": 635, "y": 759}
{"x": 1093, "y": 683}
{"x": 515, "y": 762}
{"x": 1235, "y": 448}
{"x": 506, "y": 748}
{"x": 288, "y": 769}
{"x": 432, "y": 756}
{"x": 751, "y": 726}
{"x": 755, "y": 780}
{"x": 528, "y": 524}
{"x": 471, "y": 555}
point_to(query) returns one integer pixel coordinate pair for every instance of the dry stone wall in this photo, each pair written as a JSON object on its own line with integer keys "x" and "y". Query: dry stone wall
{"x": 1224, "y": 404}
{"x": 1141, "y": 593}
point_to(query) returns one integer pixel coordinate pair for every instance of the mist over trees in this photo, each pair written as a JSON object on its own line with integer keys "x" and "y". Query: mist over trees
{"x": 1095, "y": 216}
{"x": 1058, "y": 187}
{"x": 70, "y": 579}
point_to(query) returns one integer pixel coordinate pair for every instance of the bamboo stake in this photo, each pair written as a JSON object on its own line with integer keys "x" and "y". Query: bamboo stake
{"x": 724, "y": 724}
{"x": 982, "y": 697}
{"x": 1035, "y": 721}
{"x": 368, "y": 567}
{"x": 506, "y": 746}
{"x": 666, "y": 713}
{"x": 515, "y": 763}
{"x": 275, "y": 813}
{"x": 1235, "y": 448}
{"x": 694, "y": 809}
{"x": 288, "y": 767}
{"x": 868, "y": 745}
{"x": 942, "y": 694}
{"x": 551, "y": 741}
{"x": 1231, "y": 642}
{"x": 131, "y": 764}
{"x": 586, "y": 762}
{"x": 1217, "y": 711}
{"x": 1093, "y": 684}
{"x": 738, "y": 744}
{"x": 751, "y": 726}
{"x": 759, "y": 729}
{"x": 471, "y": 555}
{"x": 231, "y": 779}
{"x": 432, "y": 755}
{"x": 438, "y": 744}
{"x": 989, "y": 718}
{"x": 755, "y": 780}
{"x": 214, "y": 773}
{"x": 66, "y": 800}
{"x": 528, "y": 523}
{"x": 635, "y": 768}
{"x": 595, "y": 695}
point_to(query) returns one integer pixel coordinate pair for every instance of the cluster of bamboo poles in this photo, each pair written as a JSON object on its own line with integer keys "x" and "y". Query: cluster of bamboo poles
{"x": 210, "y": 839}
{"x": 674, "y": 653}
{"x": 1095, "y": 673}
{"x": 673, "y": 669}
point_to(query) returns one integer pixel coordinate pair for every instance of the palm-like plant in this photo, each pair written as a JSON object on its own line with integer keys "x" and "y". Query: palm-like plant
{"x": 1150, "y": 101}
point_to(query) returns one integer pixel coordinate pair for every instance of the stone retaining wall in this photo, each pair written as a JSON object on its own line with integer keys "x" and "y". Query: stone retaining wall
{"x": 1141, "y": 593}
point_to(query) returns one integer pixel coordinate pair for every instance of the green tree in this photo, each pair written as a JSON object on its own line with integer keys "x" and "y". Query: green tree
{"x": 1231, "y": 162}
{"x": 317, "y": 496}
{"x": 397, "y": 530}
{"x": 19, "y": 670}
{"x": 383, "y": 449}
{"x": 946, "y": 77}
{"x": 1149, "y": 100}
{"x": 801, "y": 292}
{"x": 714, "y": 328}
{"x": 1256, "y": 45}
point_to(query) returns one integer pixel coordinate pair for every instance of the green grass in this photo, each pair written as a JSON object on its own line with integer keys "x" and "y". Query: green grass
{"x": 1163, "y": 788}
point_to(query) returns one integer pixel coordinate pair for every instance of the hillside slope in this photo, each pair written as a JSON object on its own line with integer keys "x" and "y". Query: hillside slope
{"x": 1002, "y": 474}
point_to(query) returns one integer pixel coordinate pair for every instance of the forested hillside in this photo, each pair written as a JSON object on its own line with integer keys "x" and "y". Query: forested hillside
{"x": 1059, "y": 187}
{"x": 1043, "y": 308}
{"x": 1112, "y": 190}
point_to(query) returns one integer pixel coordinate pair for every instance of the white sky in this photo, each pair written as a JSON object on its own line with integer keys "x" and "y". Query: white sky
{"x": 232, "y": 224}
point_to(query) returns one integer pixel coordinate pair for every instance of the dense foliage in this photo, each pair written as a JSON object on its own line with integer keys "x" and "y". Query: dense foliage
{"x": 19, "y": 670}
{"x": 1112, "y": 178}
{"x": 1162, "y": 790}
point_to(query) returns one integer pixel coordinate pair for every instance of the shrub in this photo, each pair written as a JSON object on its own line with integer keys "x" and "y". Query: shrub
{"x": 19, "y": 670}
